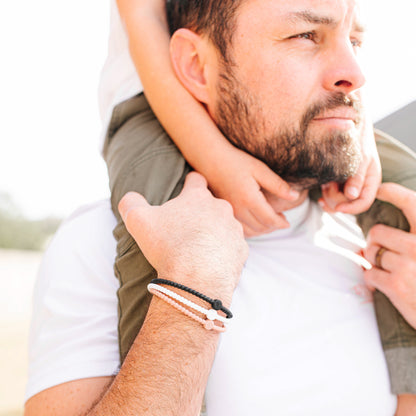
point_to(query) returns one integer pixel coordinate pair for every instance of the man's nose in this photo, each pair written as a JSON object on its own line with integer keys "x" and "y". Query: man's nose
{"x": 343, "y": 71}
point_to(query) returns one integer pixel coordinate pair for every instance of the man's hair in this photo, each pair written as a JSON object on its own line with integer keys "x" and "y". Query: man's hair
{"x": 213, "y": 18}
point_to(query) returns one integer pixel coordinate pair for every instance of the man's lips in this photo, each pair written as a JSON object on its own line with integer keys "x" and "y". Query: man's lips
{"x": 342, "y": 118}
{"x": 342, "y": 115}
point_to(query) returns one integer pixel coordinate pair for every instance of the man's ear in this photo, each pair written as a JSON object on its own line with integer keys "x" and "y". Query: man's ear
{"x": 192, "y": 60}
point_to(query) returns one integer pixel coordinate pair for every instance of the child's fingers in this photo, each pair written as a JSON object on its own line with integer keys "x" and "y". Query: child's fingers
{"x": 250, "y": 224}
{"x": 367, "y": 195}
{"x": 249, "y": 232}
{"x": 362, "y": 204}
{"x": 332, "y": 196}
{"x": 261, "y": 209}
{"x": 256, "y": 226}
{"x": 258, "y": 216}
{"x": 267, "y": 216}
{"x": 273, "y": 183}
{"x": 354, "y": 185}
{"x": 324, "y": 205}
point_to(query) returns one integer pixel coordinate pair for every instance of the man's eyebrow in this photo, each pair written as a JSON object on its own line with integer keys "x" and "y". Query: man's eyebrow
{"x": 309, "y": 16}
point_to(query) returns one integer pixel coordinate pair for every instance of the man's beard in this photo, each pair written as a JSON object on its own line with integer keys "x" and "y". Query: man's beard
{"x": 292, "y": 153}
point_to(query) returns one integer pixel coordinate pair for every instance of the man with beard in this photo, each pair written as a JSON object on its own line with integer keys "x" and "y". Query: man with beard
{"x": 304, "y": 330}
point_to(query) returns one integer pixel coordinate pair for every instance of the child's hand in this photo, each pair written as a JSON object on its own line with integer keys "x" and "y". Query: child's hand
{"x": 343, "y": 198}
{"x": 240, "y": 180}
{"x": 359, "y": 192}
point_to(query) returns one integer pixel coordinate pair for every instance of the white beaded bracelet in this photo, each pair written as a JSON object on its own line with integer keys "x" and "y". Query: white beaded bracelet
{"x": 206, "y": 323}
{"x": 211, "y": 314}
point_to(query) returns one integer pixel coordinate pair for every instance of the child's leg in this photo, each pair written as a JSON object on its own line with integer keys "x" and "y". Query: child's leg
{"x": 398, "y": 337}
{"x": 142, "y": 158}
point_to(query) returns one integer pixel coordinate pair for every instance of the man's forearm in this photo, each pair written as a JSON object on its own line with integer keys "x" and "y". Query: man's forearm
{"x": 194, "y": 240}
{"x": 166, "y": 370}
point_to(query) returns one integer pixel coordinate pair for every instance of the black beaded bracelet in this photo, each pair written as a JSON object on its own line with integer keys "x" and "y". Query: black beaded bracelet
{"x": 215, "y": 303}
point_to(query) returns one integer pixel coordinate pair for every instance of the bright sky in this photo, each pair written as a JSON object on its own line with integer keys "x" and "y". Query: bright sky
{"x": 52, "y": 53}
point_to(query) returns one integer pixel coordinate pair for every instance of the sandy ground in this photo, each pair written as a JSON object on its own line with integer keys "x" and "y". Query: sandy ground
{"x": 17, "y": 276}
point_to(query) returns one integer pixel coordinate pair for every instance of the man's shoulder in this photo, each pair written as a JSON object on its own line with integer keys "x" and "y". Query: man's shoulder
{"x": 75, "y": 303}
{"x": 82, "y": 246}
{"x": 89, "y": 229}
{"x": 95, "y": 214}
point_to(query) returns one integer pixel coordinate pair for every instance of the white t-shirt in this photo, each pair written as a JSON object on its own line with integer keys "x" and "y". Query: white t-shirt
{"x": 119, "y": 80}
{"x": 303, "y": 340}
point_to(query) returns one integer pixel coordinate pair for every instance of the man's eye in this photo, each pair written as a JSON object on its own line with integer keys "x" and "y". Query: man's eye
{"x": 356, "y": 43}
{"x": 306, "y": 35}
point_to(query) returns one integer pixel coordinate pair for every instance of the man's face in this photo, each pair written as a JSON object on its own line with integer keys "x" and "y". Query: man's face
{"x": 289, "y": 94}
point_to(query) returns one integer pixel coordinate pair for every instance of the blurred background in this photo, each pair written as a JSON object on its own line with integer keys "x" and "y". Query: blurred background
{"x": 49, "y": 156}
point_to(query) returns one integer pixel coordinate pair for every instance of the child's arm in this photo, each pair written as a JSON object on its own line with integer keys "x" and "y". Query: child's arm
{"x": 406, "y": 405}
{"x": 207, "y": 151}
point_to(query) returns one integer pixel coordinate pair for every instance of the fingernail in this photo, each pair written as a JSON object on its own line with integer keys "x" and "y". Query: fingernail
{"x": 353, "y": 192}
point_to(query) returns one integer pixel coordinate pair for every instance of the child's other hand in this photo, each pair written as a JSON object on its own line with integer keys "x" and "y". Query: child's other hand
{"x": 341, "y": 198}
{"x": 358, "y": 193}
{"x": 240, "y": 180}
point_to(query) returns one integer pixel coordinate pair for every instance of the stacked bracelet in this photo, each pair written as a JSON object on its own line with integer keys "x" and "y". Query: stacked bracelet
{"x": 215, "y": 303}
{"x": 176, "y": 300}
{"x": 208, "y": 324}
